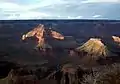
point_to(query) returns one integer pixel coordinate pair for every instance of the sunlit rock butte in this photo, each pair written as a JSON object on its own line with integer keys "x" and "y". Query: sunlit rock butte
{"x": 41, "y": 33}
{"x": 116, "y": 39}
{"x": 94, "y": 47}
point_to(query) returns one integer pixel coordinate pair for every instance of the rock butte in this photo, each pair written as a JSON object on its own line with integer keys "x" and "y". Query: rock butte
{"x": 41, "y": 33}
{"x": 116, "y": 39}
{"x": 95, "y": 47}
{"x": 97, "y": 41}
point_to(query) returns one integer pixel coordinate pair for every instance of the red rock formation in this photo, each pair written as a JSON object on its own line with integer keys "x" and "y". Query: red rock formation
{"x": 57, "y": 35}
{"x": 41, "y": 33}
{"x": 116, "y": 39}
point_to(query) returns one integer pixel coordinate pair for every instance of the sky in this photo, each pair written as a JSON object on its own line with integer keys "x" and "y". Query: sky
{"x": 59, "y": 9}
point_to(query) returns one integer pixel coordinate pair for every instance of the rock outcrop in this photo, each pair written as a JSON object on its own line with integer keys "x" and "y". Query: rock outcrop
{"x": 41, "y": 33}
{"x": 94, "y": 47}
{"x": 116, "y": 39}
{"x": 69, "y": 68}
{"x": 21, "y": 77}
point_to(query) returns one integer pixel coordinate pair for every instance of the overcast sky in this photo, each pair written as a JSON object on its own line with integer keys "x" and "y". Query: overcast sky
{"x": 59, "y": 9}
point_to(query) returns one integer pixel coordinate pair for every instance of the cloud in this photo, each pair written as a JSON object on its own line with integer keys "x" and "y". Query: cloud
{"x": 58, "y": 9}
{"x": 79, "y": 17}
{"x": 28, "y": 15}
{"x": 96, "y": 16}
{"x": 16, "y": 10}
{"x": 10, "y": 10}
{"x": 9, "y": 6}
{"x": 100, "y": 1}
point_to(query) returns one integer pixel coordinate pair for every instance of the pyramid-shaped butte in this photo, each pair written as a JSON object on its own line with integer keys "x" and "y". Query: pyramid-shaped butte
{"x": 94, "y": 47}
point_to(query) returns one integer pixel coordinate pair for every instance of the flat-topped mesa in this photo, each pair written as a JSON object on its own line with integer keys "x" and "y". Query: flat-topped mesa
{"x": 116, "y": 39}
{"x": 94, "y": 47}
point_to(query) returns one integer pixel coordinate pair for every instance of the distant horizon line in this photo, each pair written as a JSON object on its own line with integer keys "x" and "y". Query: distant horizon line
{"x": 62, "y": 20}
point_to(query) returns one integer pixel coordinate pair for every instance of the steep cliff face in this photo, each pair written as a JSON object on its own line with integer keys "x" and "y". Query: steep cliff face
{"x": 94, "y": 47}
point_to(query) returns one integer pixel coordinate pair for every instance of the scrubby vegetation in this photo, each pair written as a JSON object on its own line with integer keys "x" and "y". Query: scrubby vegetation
{"x": 66, "y": 73}
{"x": 105, "y": 75}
